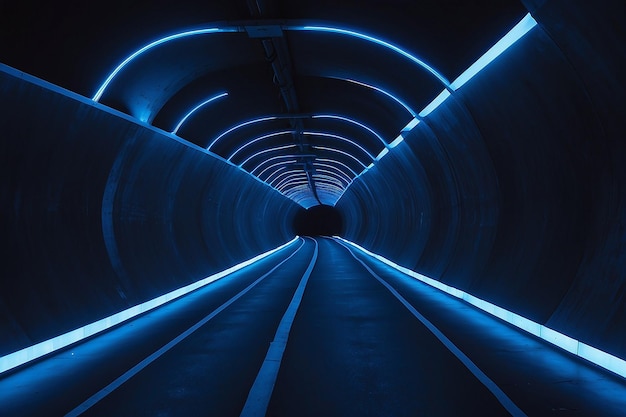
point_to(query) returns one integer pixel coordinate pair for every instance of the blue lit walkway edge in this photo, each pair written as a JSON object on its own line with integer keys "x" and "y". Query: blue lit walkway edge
{"x": 576, "y": 347}
{"x": 46, "y": 347}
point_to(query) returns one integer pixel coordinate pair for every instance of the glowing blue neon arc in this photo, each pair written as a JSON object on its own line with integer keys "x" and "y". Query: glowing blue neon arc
{"x": 149, "y": 46}
{"x": 269, "y": 135}
{"x": 349, "y": 120}
{"x": 377, "y": 41}
{"x": 204, "y": 103}
{"x": 278, "y": 148}
{"x": 380, "y": 90}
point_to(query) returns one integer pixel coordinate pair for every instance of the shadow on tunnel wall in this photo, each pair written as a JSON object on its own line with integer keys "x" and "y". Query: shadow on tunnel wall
{"x": 100, "y": 213}
{"x": 514, "y": 189}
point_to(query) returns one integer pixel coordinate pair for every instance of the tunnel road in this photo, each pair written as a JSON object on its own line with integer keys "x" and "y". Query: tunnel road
{"x": 315, "y": 329}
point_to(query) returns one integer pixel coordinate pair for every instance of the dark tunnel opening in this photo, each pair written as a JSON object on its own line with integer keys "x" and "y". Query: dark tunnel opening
{"x": 321, "y": 220}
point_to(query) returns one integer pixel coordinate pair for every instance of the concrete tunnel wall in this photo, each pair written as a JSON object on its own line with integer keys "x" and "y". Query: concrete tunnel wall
{"x": 514, "y": 189}
{"x": 100, "y": 213}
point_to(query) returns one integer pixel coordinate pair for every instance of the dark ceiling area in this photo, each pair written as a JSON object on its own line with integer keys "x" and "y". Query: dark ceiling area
{"x": 304, "y": 110}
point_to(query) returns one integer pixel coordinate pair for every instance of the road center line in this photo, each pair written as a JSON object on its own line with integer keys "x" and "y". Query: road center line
{"x": 261, "y": 391}
{"x": 506, "y": 402}
{"x": 91, "y": 401}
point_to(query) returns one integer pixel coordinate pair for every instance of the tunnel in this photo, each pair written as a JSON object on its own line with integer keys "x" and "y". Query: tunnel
{"x": 152, "y": 153}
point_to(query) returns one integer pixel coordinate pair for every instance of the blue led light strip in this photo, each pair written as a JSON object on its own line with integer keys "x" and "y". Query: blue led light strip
{"x": 204, "y": 103}
{"x": 571, "y": 345}
{"x": 377, "y": 41}
{"x": 283, "y": 175}
{"x": 326, "y": 148}
{"x": 255, "y": 140}
{"x": 277, "y": 148}
{"x": 352, "y": 121}
{"x": 151, "y": 45}
{"x": 278, "y": 164}
{"x": 334, "y": 174}
{"x": 336, "y": 170}
{"x": 380, "y": 90}
{"x": 31, "y": 353}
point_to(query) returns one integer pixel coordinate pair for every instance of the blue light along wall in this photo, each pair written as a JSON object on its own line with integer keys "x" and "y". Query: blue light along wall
{"x": 514, "y": 189}
{"x": 100, "y": 212}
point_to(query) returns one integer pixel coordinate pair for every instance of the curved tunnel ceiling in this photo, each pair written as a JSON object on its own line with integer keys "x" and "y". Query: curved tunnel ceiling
{"x": 303, "y": 96}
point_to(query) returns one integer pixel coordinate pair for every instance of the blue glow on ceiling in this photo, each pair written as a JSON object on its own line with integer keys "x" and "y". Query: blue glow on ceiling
{"x": 239, "y": 126}
{"x": 515, "y": 34}
{"x": 331, "y": 135}
{"x": 574, "y": 346}
{"x": 275, "y": 165}
{"x": 291, "y": 183}
{"x": 319, "y": 179}
{"x": 334, "y": 174}
{"x": 337, "y": 170}
{"x": 151, "y": 45}
{"x": 274, "y": 158}
{"x": 441, "y": 97}
{"x": 269, "y": 135}
{"x": 338, "y": 163}
{"x": 331, "y": 190}
{"x": 326, "y": 148}
{"x": 192, "y": 111}
{"x": 269, "y": 180}
{"x": 349, "y": 120}
{"x": 384, "y": 92}
{"x": 277, "y": 148}
{"x": 308, "y": 133}
{"x": 377, "y": 41}
{"x": 38, "y": 350}
{"x": 286, "y": 176}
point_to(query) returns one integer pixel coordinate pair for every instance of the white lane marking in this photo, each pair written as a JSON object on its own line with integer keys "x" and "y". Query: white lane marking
{"x": 506, "y": 402}
{"x": 261, "y": 391}
{"x": 91, "y": 401}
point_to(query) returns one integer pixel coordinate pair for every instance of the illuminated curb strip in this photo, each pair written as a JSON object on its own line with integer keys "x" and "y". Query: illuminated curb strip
{"x": 31, "y": 353}
{"x": 574, "y": 346}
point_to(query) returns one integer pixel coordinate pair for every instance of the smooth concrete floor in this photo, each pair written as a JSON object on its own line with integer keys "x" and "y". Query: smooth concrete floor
{"x": 353, "y": 350}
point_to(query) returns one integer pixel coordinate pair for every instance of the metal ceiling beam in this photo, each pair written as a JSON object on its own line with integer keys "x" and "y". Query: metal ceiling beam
{"x": 277, "y": 53}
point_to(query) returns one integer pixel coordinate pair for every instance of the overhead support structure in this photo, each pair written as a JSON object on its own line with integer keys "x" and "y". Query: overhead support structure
{"x": 277, "y": 54}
